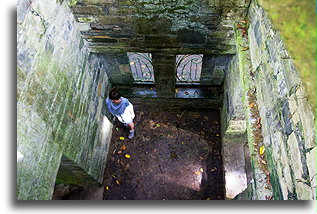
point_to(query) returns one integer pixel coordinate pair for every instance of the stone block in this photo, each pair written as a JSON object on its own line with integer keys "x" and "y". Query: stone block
{"x": 113, "y": 20}
{"x": 288, "y": 129}
{"x": 87, "y": 10}
{"x": 254, "y": 51}
{"x": 293, "y": 109}
{"x": 276, "y": 142}
{"x": 295, "y": 156}
{"x": 284, "y": 174}
{"x": 85, "y": 19}
{"x": 304, "y": 192}
{"x": 234, "y": 160}
{"x": 307, "y": 118}
{"x": 281, "y": 85}
{"x": 311, "y": 164}
{"x": 122, "y": 10}
{"x": 92, "y": 2}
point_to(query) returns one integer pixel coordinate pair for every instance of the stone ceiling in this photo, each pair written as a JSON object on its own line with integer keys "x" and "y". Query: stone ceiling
{"x": 173, "y": 26}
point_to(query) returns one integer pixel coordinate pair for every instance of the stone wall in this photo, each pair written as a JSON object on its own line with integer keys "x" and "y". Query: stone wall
{"x": 236, "y": 157}
{"x": 61, "y": 89}
{"x": 182, "y": 26}
{"x": 285, "y": 116}
{"x": 117, "y": 68}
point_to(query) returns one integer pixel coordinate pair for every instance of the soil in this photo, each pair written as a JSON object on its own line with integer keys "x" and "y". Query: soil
{"x": 174, "y": 155}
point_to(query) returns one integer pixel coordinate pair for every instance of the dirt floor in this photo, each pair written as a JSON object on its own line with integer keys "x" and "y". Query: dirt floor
{"x": 174, "y": 156}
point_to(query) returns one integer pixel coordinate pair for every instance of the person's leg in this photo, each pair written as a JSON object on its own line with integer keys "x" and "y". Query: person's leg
{"x": 131, "y": 133}
{"x": 131, "y": 125}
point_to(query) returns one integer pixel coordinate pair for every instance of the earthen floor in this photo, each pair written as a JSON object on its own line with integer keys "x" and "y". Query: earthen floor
{"x": 175, "y": 155}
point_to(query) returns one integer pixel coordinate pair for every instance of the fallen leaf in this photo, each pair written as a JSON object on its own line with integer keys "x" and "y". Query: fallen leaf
{"x": 262, "y": 150}
{"x": 176, "y": 90}
{"x": 158, "y": 125}
{"x": 113, "y": 176}
{"x": 123, "y": 147}
{"x": 246, "y": 48}
{"x": 154, "y": 150}
{"x": 70, "y": 115}
{"x": 121, "y": 138}
{"x": 268, "y": 177}
{"x": 251, "y": 105}
{"x": 263, "y": 161}
{"x": 208, "y": 199}
{"x": 118, "y": 182}
{"x": 107, "y": 188}
{"x": 127, "y": 156}
{"x": 258, "y": 121}
{"x": 117, "y": 128}
{"x": 217, "y": 135}
{"x": 182, "y": 142}
{"x": 269, "y": 197}
{"x": 213, "y": 169}
{"x": 201, "y": 169}
{"x": 119, "y": 152}
{"x": 197, "y": 173}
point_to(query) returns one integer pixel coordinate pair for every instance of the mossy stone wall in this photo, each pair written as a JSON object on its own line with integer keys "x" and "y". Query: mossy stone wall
{"x": 61, "y": 89}
{"x": 283, "y": 118}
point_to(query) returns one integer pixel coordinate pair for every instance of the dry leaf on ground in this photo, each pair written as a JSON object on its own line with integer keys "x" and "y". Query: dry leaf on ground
{"x": 251, "y": 105}
{"x": 262, "y": 150}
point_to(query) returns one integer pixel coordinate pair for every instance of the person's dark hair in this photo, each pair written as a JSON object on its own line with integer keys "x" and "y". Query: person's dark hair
{"x": 114, "y": 94}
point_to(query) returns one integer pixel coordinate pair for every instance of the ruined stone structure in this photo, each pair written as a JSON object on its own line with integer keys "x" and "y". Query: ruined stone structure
{"x": 71, "y": 52}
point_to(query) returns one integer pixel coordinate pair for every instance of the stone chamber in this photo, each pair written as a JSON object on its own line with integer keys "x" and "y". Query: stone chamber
{"x": 220, "y": 102}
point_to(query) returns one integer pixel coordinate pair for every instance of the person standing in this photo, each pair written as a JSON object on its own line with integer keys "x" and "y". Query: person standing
{"x": 122, "y": 109}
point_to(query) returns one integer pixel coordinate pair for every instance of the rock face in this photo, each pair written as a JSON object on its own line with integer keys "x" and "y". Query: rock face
{"x": 61, "y": 88}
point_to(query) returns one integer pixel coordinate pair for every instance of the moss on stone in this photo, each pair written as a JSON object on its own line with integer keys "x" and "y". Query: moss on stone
{"x": 296, "y": 22}
{"x": 274, "y": 179}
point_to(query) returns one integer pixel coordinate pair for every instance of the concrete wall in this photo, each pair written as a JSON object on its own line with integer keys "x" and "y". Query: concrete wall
{"x": 61, "y": 89}
{"x": 279, "y": 117}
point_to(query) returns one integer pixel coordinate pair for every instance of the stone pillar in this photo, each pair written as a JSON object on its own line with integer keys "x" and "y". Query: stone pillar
{"x": 164, "y": 74}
